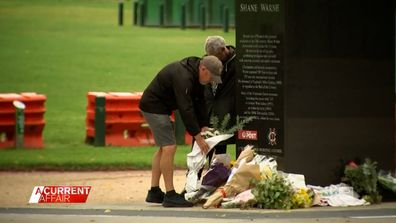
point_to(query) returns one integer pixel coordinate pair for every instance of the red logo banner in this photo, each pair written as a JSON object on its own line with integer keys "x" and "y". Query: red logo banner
{"x": 247, "y": 134}
{"x": 60, "y": 194}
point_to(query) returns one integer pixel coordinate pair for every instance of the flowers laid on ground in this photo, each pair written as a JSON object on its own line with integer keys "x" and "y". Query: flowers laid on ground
{"x": 220, "y": 132}
{"x": 283, "y": 191}
{"x": 303, "y": 198}
{"x": 241, "y": 174}
{"x": 387, "y": 181}
{"x": 363, "y": 178}
{"x": 254, "y": 181}
{"x": 273, "y": 193}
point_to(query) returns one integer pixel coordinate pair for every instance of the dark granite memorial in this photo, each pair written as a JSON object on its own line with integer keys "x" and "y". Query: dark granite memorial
{"x": 318, "y": 75}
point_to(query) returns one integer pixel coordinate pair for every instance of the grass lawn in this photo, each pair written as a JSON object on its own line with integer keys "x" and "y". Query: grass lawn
{"x": 66, "y": 48}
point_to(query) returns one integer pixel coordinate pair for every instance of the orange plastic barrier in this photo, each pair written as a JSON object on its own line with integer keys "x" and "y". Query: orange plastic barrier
{"x": 124, "y": 123}
{"x": 34, "y": 119}
{"x": 187, "y": 139}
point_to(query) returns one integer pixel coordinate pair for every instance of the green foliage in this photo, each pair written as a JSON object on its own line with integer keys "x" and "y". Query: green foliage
{"x": 85, "y": 158}
{"x": 240, "y": 123}
{"x": 273, "y": 193}
{"x": 214, "y": 122}
{"x": 387, "y": 181}
{"x": 224, "y": 123}
{"x": 363, "y": 179}
{"x": 88, "y": 158}
{"x": 221, "y": 127}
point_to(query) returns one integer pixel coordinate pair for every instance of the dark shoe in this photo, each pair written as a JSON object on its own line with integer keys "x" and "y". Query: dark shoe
{"x": 175, "y": 200}
{"x": 155, "y": 196}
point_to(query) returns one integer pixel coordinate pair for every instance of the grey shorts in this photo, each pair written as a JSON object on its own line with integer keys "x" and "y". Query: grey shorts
{"x": 162, "y": 128}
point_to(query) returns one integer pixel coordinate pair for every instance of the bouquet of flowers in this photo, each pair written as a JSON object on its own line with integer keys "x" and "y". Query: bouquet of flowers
{"x": 239, "y": 179}
{"x": 196, "y": 160}
{"x": 216, "y": 176}
{"x": 247, "y": 168}
{"x": 274, "y": 192}
{"x": 303, "y": 198}
{"x": 243, "y": 200}
{"x": 387, "y": 181}
{"x": 363, "y": 178}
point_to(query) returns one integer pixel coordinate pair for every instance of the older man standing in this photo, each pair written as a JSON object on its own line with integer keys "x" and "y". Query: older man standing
{"x": 220, "y": 97}
{"x": 179, "y": 85}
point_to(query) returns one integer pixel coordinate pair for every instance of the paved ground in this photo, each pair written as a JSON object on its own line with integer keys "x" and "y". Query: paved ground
{"x": 115, "y": 187}
{"x": 385, "y": 213}
{"x": 119, "y": 197}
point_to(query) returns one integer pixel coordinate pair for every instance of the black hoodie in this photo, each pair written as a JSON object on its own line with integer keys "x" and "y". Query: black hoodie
{"x": 224, "y": 102}
{"x": 177, "y": 86}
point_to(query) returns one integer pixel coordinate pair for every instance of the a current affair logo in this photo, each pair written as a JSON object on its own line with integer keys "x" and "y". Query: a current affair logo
{"x": 59, "y": 194}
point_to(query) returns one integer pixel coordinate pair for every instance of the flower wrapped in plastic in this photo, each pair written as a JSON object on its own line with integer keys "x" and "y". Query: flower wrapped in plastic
{"x": 215, "y": 177}
{"x": 217, "y": 174}
{"x": 364, "y": 179}
{"x": 303, "y": 198}
{"x": 387, "y": 181}
{"x": 243, "y": 200}
{"x": 220, "y": 132}
{"x": 247, "y": 168}
{"x": 239, "y": 182}
{"x": 196, "y": 160}
{"x": 339, "y": 195}
{"x": 247, "y": 155}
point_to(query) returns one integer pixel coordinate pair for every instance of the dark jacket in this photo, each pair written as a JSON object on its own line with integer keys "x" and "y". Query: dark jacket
{"x": 177, "y": 86}
{"x": 223, "y": 101}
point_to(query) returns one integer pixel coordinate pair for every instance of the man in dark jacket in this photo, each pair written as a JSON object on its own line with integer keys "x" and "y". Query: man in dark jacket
{"x": 179, "y": 85}
{"x": 220, "y": 98}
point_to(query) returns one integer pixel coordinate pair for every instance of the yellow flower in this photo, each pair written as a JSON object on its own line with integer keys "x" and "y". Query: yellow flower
{"x": 301, "y": 199}
{"x": 266, "y": 173}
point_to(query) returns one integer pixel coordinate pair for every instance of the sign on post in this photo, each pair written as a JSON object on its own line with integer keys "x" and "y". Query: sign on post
{"x": 19, "y": 123}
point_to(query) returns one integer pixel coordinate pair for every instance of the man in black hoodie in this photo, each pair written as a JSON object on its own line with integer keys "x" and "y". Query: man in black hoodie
{"x": 220, "y": 98}
{"x": 178, "y": 86}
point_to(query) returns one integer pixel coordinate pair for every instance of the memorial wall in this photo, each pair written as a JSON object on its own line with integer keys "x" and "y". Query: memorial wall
{"x": 318, "y": 76}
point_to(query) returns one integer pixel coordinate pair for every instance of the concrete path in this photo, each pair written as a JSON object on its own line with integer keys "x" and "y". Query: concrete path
{"x": 384, "y": 213}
